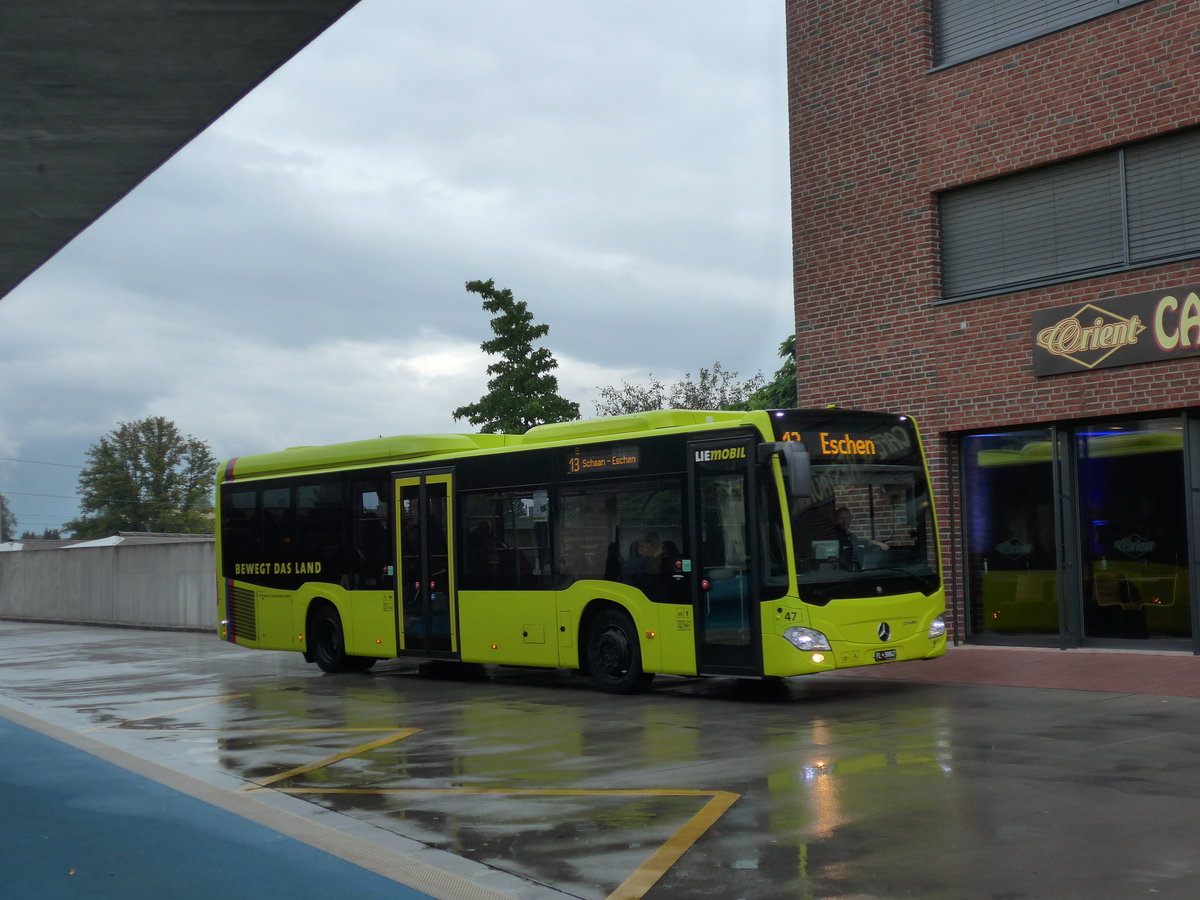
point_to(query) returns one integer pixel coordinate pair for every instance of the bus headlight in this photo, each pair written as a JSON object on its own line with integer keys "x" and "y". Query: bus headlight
{"x": 806, "y": 638}
{"x": 937, "y": 628}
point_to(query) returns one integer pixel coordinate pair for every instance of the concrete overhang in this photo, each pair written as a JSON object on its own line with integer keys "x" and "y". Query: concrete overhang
{"x": 97, "y": 94}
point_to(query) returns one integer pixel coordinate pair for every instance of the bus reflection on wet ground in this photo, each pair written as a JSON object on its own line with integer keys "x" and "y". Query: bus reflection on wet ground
{"x": 530, "y": 784}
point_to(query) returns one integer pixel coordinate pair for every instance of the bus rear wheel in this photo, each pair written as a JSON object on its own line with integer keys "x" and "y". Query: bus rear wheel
{"x": 614, "y": 655}
{"x": 329, "y": 643}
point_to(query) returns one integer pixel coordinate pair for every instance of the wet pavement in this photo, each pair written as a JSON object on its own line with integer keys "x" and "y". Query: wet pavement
{"x": 529, "y": 784}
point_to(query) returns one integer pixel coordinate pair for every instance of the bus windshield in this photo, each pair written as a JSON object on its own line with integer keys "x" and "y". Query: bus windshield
{"x": 867, "y": 527}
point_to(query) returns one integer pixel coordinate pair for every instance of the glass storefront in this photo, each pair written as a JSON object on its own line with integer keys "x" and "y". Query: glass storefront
{"x": 1011, "y": 549}
{"x": 1078, "y": 535}
{"x": 1133, "y": 529}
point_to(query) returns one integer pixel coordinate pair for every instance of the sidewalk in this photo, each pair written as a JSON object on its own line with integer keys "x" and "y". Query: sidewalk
{"x": 1171, "y": 674}
{"x": 75, "y": 825}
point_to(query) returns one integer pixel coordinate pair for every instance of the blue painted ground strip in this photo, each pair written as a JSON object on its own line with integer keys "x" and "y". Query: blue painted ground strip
{"x": 73, "y": 825}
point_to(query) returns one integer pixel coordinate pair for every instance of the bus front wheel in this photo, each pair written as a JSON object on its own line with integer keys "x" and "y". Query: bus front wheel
{"x": 329, "y": 643}
{"x": 614, "y": 654}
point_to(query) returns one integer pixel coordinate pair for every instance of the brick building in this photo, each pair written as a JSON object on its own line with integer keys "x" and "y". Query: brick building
{"x": 996, "y": 223}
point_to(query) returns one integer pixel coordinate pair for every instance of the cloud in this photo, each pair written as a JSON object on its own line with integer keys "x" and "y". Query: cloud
{"x": 295, "y": 274}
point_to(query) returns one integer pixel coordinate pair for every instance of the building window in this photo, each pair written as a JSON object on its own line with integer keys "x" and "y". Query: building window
{"x": 1120, "y": 209}
{"x": 964, "y": 29}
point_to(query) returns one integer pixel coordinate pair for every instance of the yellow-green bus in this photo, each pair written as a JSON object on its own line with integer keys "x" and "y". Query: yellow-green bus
{"x": 749, "y": 544}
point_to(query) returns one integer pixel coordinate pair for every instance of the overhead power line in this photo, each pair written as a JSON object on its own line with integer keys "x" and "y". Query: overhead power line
{"x": 40, "y": 462}
{"x": 101, "y": 500}
{"x": 23, "y": 494}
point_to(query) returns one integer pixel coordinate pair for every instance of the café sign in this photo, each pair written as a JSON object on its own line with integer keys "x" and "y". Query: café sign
{"x": 1118, "y": 332}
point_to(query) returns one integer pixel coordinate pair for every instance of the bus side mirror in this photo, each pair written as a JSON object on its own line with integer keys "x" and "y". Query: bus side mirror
{"x": 797, "y": 466}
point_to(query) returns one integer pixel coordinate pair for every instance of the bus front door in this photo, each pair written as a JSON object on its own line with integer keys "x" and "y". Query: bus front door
{"x": 425, "y": 582}
{"x": 725, "y": 582}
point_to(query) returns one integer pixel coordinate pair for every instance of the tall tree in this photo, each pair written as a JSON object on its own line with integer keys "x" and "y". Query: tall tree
{"x": 780, "y": 391}
{"x": 145, "y": 476}
{"x": 8, "y": 522}
{"x": 521, "y": 391}
{"x": 715, "y": 388}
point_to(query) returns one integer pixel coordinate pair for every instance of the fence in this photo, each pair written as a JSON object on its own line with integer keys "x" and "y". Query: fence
{"x": 143, "y": 581}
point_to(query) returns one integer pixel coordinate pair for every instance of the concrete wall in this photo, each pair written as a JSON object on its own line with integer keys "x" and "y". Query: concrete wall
{"x": 160, "y": 585}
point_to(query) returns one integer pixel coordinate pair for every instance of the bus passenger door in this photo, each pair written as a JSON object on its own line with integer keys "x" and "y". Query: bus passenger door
{"x": 725, "y": 556}
{"x": 425, "y": 582}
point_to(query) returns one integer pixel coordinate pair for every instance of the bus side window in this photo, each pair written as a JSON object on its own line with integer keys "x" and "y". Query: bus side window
{"x": 627, "y": 532}
{"x": 321, "y": 528}
{"x": 277, "y": 520}
{"x": 481, "y": 562}
{"x": 506, "y": 541}
{"x": 587, "y": 547}
{"x": 239, "y": 528}
{"x": 372, "y": 536}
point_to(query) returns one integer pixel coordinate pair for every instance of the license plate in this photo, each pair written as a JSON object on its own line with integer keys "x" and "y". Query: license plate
{"x": 884, "y": 655}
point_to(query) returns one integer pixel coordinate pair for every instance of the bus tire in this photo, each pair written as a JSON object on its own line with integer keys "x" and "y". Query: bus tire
{"x": 329, "y": 643}
{"x": 614, "y": 655}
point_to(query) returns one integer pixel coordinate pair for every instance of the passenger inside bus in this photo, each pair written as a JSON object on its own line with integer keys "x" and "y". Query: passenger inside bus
{"x": 646, "y": 555}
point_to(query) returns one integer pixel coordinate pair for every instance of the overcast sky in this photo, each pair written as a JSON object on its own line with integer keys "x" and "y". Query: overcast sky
{"x": 295, "y": 274}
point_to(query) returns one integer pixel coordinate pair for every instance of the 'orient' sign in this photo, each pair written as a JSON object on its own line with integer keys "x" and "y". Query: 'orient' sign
{"x": 1117, "y": 332}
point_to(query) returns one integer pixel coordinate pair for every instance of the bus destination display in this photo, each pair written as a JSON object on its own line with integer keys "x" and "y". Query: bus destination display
{"x": 597, "y": 460}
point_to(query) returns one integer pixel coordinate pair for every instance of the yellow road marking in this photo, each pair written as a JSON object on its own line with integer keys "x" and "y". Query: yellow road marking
{"x": 330, "y": 760}
{"x": 644, "y": 876}
{"x": 304, "y": 730}
{"x": 309, "y": 730}
{"x": 199, "y": 729}
{"x": 649, "y": 872}
{"x": 518, "y": 792}
{"x": 172, "y": 712}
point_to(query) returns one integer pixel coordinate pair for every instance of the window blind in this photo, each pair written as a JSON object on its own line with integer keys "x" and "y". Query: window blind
{"x": 968, "y": 28}
{"x": 1163, "y": 183}
{"x": 1060, "y": 220}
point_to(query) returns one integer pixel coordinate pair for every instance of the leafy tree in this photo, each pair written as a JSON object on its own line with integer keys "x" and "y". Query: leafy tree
{"x": 715, "y": 388}
{"x": 521, "y": 391}
{"x": 48, "y": 534}
{"x": 8, "y": 522}
{"x": 145, "y": 476}
{"x": 780, "y": 391}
